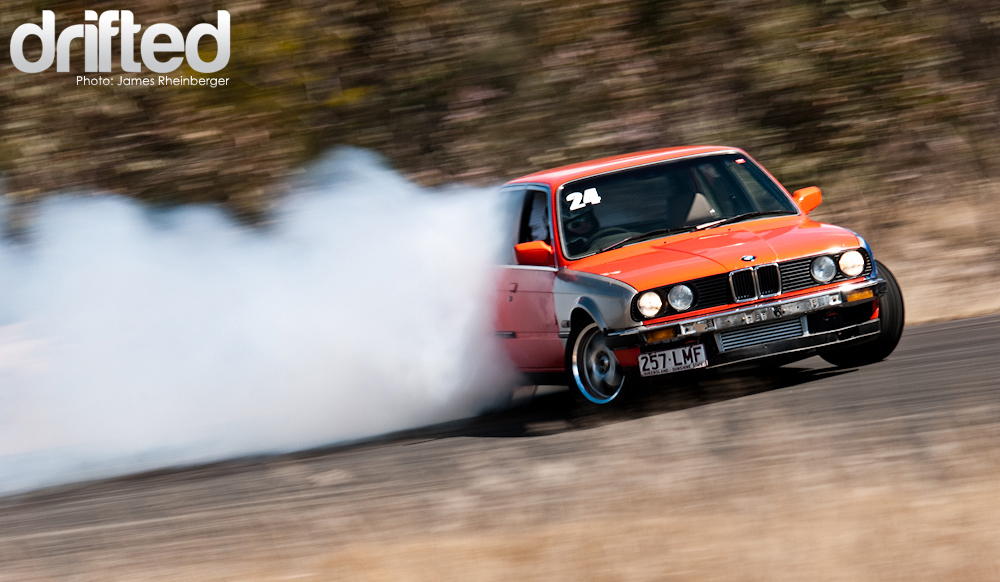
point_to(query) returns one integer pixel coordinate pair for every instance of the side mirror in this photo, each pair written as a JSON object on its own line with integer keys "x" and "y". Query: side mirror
{"x": 536, "y": 253}
{"x": 808, "y": 198}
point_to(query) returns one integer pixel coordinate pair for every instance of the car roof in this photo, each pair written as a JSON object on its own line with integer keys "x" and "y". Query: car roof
{"x": 558, "y": 176}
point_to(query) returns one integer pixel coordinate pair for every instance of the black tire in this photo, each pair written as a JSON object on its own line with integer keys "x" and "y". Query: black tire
{"x": 890, "y": 313}
{"x": 595, "y": 376}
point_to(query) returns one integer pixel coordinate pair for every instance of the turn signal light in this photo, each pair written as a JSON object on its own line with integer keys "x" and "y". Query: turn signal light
{"x": 661, "y": 334}
{"x": 859, "y": 295}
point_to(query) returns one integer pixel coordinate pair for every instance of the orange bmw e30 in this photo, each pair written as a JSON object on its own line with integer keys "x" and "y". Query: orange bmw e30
{"x": 680, "y": 259}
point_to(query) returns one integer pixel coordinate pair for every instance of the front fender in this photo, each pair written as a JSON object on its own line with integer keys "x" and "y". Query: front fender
{"x": 607, "y": 301}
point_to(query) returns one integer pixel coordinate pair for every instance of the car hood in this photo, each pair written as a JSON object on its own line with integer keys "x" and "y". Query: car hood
{"x": 713, "y": 251}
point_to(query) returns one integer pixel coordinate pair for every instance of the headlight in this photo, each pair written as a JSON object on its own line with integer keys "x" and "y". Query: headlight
{"x": 649, "y": 304}
{"x": 680, "y": 297}
{"x": 823, "y": 269}
{"x": 852, "y": 263}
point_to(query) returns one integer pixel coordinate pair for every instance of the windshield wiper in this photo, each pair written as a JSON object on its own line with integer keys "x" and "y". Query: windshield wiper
{"x": 657, "y": 232}
{"x": 743, "y": 216}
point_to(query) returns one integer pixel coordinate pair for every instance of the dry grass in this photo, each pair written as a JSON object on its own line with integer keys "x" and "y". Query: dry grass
{"x": 818, "y": 515}
{"x": 890, "y": 533}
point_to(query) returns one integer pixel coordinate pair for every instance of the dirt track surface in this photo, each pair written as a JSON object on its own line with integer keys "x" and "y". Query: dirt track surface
{"x": 890, "y": 472}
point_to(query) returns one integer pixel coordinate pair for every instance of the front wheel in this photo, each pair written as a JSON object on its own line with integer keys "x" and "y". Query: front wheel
{"x": 594, "y": 370}
{"x": 890, "y": 313}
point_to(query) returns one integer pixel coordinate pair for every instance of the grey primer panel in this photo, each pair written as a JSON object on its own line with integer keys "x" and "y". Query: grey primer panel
{"x": 607, "y": 300}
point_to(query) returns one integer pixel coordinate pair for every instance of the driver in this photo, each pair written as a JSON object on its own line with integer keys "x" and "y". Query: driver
{"x": 579, "y": 229}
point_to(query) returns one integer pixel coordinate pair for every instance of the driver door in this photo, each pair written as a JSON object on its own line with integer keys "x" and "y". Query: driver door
{"x": 525, "y": 317}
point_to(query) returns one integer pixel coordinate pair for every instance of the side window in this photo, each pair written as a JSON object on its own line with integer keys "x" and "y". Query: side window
{"x": 511, "y": 208}
{"x": 720, "y": 189}
{"x": 754, "y": 182}
{"x": 535, "y": 218}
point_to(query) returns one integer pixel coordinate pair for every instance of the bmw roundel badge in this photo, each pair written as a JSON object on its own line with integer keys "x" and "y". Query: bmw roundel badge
{"x": 748, "y": 258}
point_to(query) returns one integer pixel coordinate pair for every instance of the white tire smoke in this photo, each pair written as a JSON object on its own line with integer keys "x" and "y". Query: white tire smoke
{"x": 132, "y": 339}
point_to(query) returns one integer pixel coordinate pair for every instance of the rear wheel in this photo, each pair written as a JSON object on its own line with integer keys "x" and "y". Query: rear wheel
{"x": 890, "y": 313}
{"x": 595, "y": 374}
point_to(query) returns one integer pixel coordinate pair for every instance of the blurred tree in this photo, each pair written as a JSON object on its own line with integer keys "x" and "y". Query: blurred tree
{"x": 462, "y": 90}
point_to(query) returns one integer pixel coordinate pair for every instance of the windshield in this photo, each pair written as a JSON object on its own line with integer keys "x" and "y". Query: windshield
{"x": 597, "y": 212}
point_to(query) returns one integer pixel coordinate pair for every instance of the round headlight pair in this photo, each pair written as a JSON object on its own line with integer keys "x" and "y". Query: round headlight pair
{"x": 680, "y": 298}
{"x": 823, "y": 269}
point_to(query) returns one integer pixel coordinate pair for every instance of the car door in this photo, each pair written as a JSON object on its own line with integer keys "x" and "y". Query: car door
{"x": 525, "y": 318}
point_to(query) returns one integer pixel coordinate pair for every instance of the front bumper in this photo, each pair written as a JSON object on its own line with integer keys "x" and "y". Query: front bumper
{"x": 804, "y": 346}
{"x": 711, "y": 329}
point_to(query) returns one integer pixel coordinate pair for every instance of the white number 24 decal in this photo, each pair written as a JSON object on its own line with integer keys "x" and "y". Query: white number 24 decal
{"x": 579, "y": 200}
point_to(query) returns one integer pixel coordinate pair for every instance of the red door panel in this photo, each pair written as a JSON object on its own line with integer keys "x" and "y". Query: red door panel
{"x": 526, "y": 318}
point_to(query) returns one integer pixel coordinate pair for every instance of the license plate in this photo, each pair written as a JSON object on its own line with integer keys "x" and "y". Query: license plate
{"x": 675, "y": 360}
